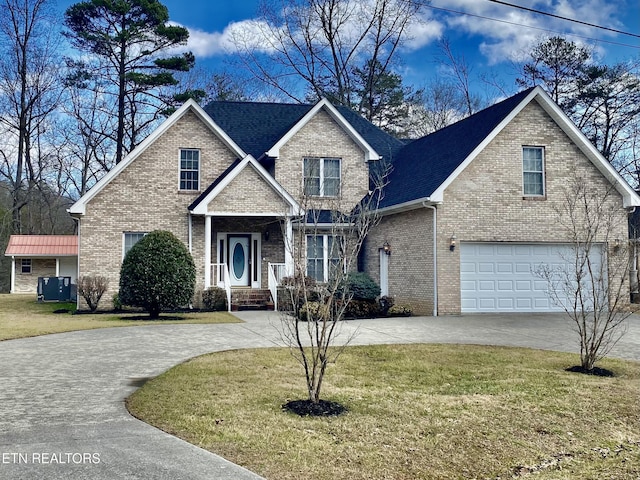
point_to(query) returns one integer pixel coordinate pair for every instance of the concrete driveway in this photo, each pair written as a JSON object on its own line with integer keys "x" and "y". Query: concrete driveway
{"x": 62, "y": 413}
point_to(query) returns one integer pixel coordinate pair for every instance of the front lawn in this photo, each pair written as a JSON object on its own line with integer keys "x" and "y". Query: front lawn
{"x": 414, "y": 412}
{"x": 22, "y": 316}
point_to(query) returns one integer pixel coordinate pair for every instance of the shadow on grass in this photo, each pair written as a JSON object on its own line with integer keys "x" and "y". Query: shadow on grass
{"x": 160, "y": 319}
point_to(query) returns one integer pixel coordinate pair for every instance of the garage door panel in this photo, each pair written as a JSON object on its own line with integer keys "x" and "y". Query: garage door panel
{"x": 502, "y": 267}
{"x": 486, "y": 267}
{"x": 486, "y": 286}
{"x": 505, "y": 304}
{"x": 502, "y": 277}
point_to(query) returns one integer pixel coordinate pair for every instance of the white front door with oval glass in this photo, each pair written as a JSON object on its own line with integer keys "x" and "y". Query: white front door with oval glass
{"x": 238, "y": 256}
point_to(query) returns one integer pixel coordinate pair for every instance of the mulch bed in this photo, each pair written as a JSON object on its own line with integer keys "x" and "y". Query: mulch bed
{"x": 597, "y": 371}
{"x": 307, "y": 408}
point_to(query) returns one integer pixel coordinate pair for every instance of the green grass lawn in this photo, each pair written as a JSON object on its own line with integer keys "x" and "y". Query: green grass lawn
{"x": 22, "y": 316}
{"x": 414, "y": 412}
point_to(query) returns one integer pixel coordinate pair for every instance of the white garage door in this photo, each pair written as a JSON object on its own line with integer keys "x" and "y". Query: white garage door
{"x": 499, "y": 277}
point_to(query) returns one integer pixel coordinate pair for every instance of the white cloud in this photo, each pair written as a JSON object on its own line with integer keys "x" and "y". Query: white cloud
{"x": 204, "y": 44}
{"x": 421, "y": 34}
{"x": 510, "y": 40}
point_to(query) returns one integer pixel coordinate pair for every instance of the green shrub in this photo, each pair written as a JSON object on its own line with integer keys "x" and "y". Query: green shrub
{"x": 158, "y": 273}
{"x": 386, "y": 303}
{"x": 117, "y": 304}
{"x": 215, "y": 298}
{"x": 313, "y": 311}
{"x": 399, "y": 311}
{"x": 360, "y": 286}
{"x": 362, "y": 309}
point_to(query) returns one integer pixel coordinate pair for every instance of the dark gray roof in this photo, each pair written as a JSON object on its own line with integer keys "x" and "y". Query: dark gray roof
{"x": 418, "y": 167}
{"x": 256, "y": 127}
{"x": 424, "y": 164}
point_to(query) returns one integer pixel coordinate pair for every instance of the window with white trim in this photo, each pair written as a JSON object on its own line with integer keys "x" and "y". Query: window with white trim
{"x": 323, "y": 256}
{"x": 533, "y": 171}
{"x": 189, "y": 169}
{"x": 130, "y": 239}
{"x": 322, "y": 177}
{"x": 25, "y": 265}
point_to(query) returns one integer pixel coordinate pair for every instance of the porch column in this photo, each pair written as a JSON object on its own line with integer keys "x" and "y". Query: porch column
{"x": 288, "y": 246}
{"x": 13, "y": 274}
{"x": 207, "y": 251}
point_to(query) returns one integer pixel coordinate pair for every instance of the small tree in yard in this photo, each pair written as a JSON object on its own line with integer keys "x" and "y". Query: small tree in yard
{"x": 158, "y": 273}
{"x": 325, "y": 249}
{"x": 92, "y": 288}
{"x": 593, "y": 288}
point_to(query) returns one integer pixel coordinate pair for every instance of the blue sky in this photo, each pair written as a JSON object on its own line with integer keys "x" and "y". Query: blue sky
{"x": 489, "y": 46}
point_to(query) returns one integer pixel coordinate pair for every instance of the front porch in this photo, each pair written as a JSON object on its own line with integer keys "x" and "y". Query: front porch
{"x": 247, "y": 257}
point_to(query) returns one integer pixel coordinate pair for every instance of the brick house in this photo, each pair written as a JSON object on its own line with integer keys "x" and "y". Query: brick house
{"x": 232, "y": 181}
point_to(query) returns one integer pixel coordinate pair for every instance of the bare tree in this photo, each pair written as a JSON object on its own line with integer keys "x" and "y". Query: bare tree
{"x": 325, "y": 249}
{"x": 29, "y": 94}
{"x": 458, "y": 71}
{"x": 602, "y": 100}
{"x": 592, "y": 287}
{"x": 324, "y": 43}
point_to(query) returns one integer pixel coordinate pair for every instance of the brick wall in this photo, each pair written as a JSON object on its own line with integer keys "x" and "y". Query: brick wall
{"x": 323, "y": 137}
{"x": 28, "y": 282}
{"x": 248, "y": 193}
{"x": 410, "y": 236}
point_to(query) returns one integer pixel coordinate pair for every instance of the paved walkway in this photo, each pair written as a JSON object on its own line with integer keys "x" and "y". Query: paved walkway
{"x": 62, "y": 414}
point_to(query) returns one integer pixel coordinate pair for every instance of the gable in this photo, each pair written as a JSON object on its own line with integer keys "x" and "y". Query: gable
{"x": 245, "y": 187}
{"x": 426, "y": 167}
{"x": 156, "y": 158}
{"x": 248, "y": 193}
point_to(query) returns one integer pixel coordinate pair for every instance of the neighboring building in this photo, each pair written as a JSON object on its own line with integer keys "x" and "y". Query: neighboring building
{"x": 34, "y": 256}
{"x": 232, "y": 181}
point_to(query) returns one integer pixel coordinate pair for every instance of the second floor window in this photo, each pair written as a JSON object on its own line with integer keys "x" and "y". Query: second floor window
{"x": 189, "y": 169}
{"x": 322, "y": 177}
{"x": 533, "y": 171}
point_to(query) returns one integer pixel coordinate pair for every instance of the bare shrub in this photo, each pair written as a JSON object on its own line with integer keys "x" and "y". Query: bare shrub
{"x": 91, "y": 288}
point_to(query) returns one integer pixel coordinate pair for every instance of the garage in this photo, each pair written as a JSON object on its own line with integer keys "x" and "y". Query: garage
{"x": 500, "y": 277}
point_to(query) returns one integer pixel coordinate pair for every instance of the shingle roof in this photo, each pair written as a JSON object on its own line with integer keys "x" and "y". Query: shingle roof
{"x": 424, "y": 164}
{"x": 42, "y": 245}
{"x": 256, "y": 127}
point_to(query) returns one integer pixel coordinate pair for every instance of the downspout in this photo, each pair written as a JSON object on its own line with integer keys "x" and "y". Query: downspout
{"x": 435, "y": 257}
{"x": 77, "y": 219}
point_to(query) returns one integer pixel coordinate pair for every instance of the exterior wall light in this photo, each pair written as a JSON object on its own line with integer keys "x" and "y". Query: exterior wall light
{"x": 265, "y": 236}
{"x": 616, "y": 244}
{"x": 386, "y": 248}
{"x": 452, "y": 242}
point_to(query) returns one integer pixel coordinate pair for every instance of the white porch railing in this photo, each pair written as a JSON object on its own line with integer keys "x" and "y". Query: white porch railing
{"x": 277, "y": 271}
{"x": 220, "y": 278}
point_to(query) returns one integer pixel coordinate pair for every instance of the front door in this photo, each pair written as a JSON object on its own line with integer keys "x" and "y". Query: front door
{"x": 238, "y": 256}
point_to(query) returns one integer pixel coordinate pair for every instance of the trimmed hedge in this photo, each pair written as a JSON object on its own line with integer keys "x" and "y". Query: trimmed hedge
{"x": 157, "y": 274}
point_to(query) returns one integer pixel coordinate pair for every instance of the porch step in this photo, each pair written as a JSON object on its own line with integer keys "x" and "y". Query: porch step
{"x": 251, "y": 299}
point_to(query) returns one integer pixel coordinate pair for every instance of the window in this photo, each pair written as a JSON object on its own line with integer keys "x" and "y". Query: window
{"x": 533, "y": 171}
{"x": 189, "y": 169}
{"x": 322, "y": 177}
{"x": 25, "y": 266}
{"x": 323, "y": 256}
{"x": 130, "y": 239}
